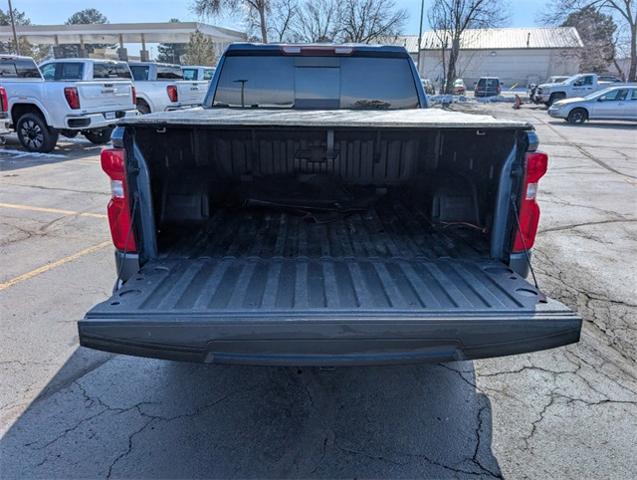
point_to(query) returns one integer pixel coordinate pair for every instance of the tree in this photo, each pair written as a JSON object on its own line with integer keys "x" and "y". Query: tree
{"x": 623, "y": 11}
{"x": 450, "y": 19}
{"x": 281, "y": 23}
{"x": 597, "y": 31}
{"x": 317, "y": 21}
{"x": 171, "y": 52}
{"x": 20, "y": 18}
{"x": 200, "y": 50}
{"x": 368, "y": 21}
{"x": 84, "y": 17}
{"x": 256, "y": 11}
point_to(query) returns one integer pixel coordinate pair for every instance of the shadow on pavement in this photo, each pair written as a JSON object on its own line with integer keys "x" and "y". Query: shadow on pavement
{"x": 597, "y": 124}
{"x": 14, "y": 157}
{"x": 123, "y": 417}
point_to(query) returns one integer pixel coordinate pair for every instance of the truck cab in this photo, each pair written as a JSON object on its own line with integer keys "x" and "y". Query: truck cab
{"x": 578, "y": 85}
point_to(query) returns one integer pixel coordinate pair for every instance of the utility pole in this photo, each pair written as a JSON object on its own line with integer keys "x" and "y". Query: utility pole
{"x": 422, "y": 11}
{"x": 15, "y": 37}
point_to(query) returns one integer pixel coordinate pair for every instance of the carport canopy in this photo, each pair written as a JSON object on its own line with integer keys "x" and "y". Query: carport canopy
{"x": 165, "y": 32}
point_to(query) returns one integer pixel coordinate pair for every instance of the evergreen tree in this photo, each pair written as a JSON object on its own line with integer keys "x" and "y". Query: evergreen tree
{"x": 200, "y": 50}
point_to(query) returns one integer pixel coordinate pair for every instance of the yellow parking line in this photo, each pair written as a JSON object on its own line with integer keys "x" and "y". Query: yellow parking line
{"x": 50, "y": 266}
{"x": 51, "y": 210}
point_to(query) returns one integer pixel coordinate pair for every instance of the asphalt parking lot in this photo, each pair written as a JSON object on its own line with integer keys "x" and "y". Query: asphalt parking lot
{"x": 68, "y": 412}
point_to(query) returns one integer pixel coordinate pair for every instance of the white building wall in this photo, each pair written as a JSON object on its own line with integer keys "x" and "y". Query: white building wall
{"x": 512, "y": 66}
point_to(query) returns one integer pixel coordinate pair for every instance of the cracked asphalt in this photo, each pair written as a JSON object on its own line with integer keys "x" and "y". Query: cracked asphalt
{"x": 69, "y": 412}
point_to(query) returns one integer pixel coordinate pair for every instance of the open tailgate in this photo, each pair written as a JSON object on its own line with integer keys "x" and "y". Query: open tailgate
{"x": 302, "y": 311}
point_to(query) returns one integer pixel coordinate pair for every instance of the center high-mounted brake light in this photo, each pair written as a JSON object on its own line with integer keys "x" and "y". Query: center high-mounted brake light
{"x": 529, "y": 213}
{"x": 316, "y": 50}
{"x": 172, "y": 93}
{"x": 72, "y": 97}
{"x": 119, "y": 220}
{"x": 4, "y": 100}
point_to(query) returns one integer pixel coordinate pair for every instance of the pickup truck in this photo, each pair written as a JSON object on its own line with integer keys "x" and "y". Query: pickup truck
{"x": 69, "y": 97}
{"x": 5, "y": 123}
{"x": 161, "y": 87}
{"x": 315, "y": 212}
{"x": 575, "y": 86}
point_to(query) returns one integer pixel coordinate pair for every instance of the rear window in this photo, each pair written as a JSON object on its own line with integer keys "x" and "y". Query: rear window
{"x": 18, "y": 68}
{"x": 111, "y": 70}
{"x": 169, "y": 73}
{"x": 208, "y": 73}
{"x": 189, "y": 73}
{"x": 316, "y": 82}
{"x": 488, "y": 82}
{"x": 140, "y": 72}
{"x": 59, "y": 71}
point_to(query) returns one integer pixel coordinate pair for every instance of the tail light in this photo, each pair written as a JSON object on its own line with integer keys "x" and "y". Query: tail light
{"x": 119, "y": 220}
{"x": 72, "y": 97}
{"x": 4, "y": 100}
{"x": 134, "y": 93}
{"x": 172, "y": 92}
{"x": 529, "y": 214}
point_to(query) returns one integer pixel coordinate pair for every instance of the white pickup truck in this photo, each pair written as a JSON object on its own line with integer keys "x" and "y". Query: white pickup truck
{"x": 161, "y": 87}
{"x": 578, "y": 85}
{"x": 69, "y": 97}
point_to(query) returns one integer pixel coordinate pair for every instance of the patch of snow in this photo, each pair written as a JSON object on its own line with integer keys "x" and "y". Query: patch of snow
{"x": 22, "y": 153}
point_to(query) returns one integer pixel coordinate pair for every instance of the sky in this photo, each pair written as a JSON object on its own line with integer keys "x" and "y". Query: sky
{"x": 523, "y": 13}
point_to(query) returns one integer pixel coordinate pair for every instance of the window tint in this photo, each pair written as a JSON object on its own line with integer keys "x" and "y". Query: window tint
{"x": 111, "y": 70}
{"x": 140, "y": 72}
{"x": 48, "y": 71}
{"x": 189, "y": 73}
{"x": 69, "y": 71}
{"x": 27, "y": 68}
{"x": 208, "y": 73}
{"x": 614, "y": 96}
{"x": 7, "y": 69}
{"x": 316, "y": 82}
{"x": 634, "y": 94}
{"x": 169, "y": 73}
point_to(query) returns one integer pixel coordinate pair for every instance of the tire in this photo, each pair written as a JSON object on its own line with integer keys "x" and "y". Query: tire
{"x": 143, "y": 107}
{"x": 577, "y": 116}
{"x": 555, "y": 97}
{"x": 69, "y": 133}
{"x": 99, "y": 136}
{"x": 34, "y": 134}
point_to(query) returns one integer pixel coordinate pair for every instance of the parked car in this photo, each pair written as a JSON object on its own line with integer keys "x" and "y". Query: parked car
{"x": 459, "y": 87}
{"x": 429, "y": 87}
{"x": 533, "y": 87}
{"x": 578, "y": 85}
{"x": 613, "y": 103}
{"x": 161, "y": 87}
{"x": 256, "y": 231}
{"x": 70, "y": 96}
{"x": 488, "y": 87}
{"x": 5, "y": 122}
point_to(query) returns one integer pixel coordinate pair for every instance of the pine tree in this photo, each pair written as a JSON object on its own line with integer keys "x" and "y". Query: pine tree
{"x": 200, "y": 50}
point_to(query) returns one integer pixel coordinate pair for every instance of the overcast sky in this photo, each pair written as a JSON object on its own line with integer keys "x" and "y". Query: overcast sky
{"x": 523, "y": 12}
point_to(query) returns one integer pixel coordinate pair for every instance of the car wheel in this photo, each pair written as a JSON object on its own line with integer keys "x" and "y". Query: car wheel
{"x": 143, "y": 107}
{"x": 34, "y": 134}
{"x": 99, "y": 136}
{"x": 577, "y": 116}
{"x": 556, "y": 97}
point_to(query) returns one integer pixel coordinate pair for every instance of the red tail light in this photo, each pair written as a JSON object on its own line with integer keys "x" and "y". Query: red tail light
{"x": 172, "y": 92}
{"x": 119, "y": 220}
{"x": 72, "y": 97}
{"x": 134, "y": 93}
{"x": 4, "y": 100}
{"x": 529, "y": 214}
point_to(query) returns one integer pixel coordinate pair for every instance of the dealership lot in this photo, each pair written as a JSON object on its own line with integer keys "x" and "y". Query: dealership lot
{"x": 71, "y": 412}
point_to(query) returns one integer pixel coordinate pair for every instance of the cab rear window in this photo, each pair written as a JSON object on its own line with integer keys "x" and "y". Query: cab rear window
{"x": 169, "y": 73}
{"x": 111, "y": 70}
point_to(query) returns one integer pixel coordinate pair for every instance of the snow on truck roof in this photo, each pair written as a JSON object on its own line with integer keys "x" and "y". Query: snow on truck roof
{"x": 411, "y": 118}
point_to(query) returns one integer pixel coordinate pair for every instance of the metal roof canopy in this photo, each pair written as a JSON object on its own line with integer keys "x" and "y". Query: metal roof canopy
{"x": 164, "y": 32}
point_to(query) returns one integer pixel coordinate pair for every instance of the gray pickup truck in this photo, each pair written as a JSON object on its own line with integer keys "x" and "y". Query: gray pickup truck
{"x": 315, "y": 212}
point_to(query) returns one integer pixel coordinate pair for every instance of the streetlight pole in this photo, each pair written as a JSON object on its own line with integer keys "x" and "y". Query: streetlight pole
{"x": 422, "y": 11}
{"x": 15, "y": 37}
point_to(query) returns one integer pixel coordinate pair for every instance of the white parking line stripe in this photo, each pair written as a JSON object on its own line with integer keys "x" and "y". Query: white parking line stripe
{"x": 51, "y": 210}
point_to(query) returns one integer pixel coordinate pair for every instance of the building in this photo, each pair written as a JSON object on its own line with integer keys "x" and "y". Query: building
{"x": 518, "y": 56}
{"x": 121, "y": 34}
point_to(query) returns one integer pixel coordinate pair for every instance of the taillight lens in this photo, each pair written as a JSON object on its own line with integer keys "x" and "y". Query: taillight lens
{"x": 134, "y": 93}
{"x": 119, "y": 220}
{"x": 172, "y": 92}
{"x": 4, "y": 100}
{"x": 72, "y": 97}
{"x": 529, "y": 213}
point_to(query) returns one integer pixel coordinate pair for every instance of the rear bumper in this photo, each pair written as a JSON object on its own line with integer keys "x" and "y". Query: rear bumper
{"x": 96, "y": 120}
{"x": 363, "y": 340}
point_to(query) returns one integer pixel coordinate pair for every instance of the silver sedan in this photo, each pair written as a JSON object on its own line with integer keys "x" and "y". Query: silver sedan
{"x": 613, "y": 103}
